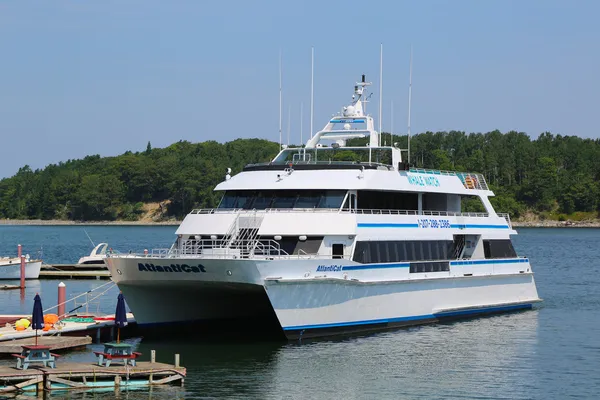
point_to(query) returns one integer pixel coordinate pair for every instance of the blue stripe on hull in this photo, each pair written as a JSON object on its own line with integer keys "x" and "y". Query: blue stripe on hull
{"x": 417, "y": 318}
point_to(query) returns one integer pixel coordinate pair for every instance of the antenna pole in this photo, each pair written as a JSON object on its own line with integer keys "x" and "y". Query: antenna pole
{"x": 289, "y": 119}
{"x": 392, "y": 126}
{"x": 312, "y": 92}
{"x": 301, "y": 132}
{"x": 380, "y": 88}
{"x": 409, "y": 102}
{"x": 280, "y": 101}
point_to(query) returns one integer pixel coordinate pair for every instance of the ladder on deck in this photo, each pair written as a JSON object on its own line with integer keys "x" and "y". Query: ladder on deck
{"x": 459, "y": 246}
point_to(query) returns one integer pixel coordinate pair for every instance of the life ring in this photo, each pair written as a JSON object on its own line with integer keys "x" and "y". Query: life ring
{"x": 469, "y": 182}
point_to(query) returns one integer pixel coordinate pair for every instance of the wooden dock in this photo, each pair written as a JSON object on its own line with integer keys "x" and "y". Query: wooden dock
{"x": 9, "y": 287}
{"x": 88, "y": 376}
{"x": 55, "y": 342}
{"x": 85, "y": 274}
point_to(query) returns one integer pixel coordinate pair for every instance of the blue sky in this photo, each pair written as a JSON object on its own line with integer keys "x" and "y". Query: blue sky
{"x": 104, "y": 77}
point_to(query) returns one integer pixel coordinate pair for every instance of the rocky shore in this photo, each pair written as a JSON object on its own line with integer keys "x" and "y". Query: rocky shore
{"x": 557, "y": 224}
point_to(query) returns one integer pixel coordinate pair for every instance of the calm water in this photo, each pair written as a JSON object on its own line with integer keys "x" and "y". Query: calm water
{"x": 549, "y": 353}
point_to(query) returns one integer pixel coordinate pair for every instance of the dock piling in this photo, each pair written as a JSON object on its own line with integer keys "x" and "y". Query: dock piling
{"x": 176, "y": 360}
{"x": 152, "y": 356}
{"x": 22, "y": 259}
{"x": 62, "y": 298}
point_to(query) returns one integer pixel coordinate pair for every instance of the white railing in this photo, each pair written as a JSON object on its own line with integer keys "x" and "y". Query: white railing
{"x": 358, "y": 211}
{"x": 506, "y": 216}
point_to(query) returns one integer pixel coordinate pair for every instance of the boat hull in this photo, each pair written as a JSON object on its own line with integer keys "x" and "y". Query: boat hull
{"x": 12, "y": 271}
{"x": 308, "y": 309}
{"x": 307, "y": 305}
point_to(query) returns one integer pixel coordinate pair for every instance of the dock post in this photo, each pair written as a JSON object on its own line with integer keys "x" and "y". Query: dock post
{"x": 22, "y": 260}
{"x": 117, "y": 381}
{"x": 176, "y": 360}
{"x": 62, "y": 298}
{"x": 22, "y": 272}
{"x": 152, "y": 356}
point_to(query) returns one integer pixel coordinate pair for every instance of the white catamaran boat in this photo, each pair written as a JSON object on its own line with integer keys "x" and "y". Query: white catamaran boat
{"x": 330, "y": 239}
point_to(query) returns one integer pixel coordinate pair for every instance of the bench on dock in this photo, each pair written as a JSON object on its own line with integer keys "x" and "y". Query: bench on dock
{"x": 40, "y": 354}
{"x": 124, "y": 353}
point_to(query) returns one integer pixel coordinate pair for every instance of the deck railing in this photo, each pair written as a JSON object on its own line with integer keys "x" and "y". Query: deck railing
{"x": 357, "y": 211}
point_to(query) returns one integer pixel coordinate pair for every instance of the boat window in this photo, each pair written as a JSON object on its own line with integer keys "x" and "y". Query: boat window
{"x": 380, "y": 200}
{"x": 431, "y": 266}
{"x": 259, "y": 200}
{"x": 308, "y": 199}
{"x": 262, "y": 200}
{"x": 367, "y": 252}
{"x": 337, "y": 250}
{"x": 332, "y": 199}
{"x": 285, "y": 199}
{"x": 228, "y": 200}
{"x": 499, "y": 249}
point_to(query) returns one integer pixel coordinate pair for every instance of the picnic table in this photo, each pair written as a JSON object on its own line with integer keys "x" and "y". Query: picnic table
{"x": 117, "y": 351}
{"x": 35, "y": 353}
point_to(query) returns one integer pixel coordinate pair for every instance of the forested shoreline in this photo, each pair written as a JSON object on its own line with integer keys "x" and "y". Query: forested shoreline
{"x": 551, "y": 177}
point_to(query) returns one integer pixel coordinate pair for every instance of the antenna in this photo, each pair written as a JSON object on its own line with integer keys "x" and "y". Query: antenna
{"x": 312, "y": 81}
{"x": 280, "y": 101}
{"x": 380, "y": 88}
{"x": 88, "y": 236}
{"x": 301, "y": 133}
{"x": 409, "y": 102}
{"x": 289, "y": 118}
{"x": 392, "y": 125}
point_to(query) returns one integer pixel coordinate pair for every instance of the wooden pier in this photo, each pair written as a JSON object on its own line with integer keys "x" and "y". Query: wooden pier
{"x": 88, "y": 376}
{"x": 70, "y": 274}
{"x": 55, "y": 342}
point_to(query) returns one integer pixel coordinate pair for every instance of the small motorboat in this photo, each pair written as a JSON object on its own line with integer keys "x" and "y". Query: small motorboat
{"x": 96, "y": 259}
{"x": 10, "y": 268}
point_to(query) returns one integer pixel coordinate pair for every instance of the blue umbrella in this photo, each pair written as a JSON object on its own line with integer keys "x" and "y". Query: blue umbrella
{"x": 120, "y": 315}
{"x": 37, "y": 316}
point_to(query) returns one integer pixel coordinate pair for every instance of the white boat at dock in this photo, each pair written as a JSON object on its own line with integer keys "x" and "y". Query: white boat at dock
{"x": 329, "y": 239}
{"x": 96, "y": 259}
{"x": 10, "y": 268}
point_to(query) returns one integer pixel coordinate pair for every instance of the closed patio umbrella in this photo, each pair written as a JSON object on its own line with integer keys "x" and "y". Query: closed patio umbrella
{"x": 120, "y": 315}
{"x": 37, "y": 316}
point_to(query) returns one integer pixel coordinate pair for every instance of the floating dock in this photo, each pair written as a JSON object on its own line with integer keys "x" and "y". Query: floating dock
{"x": 55, "y": 342}
{"x": 73, "y": 274}
{"x": 98, "y": 327}
{"x": 9, "y": 287}
{"x": 88, "y": 376}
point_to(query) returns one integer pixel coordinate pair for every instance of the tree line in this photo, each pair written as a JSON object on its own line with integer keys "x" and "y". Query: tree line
{"x": 550, "y": 174}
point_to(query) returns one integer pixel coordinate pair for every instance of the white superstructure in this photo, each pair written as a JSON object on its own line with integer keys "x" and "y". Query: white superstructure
{"x": 328, "y": 238}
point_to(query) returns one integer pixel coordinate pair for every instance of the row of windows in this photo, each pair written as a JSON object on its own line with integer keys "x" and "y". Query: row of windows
{"x": 432, "y": 266}
{"x": 419, "y": 250}
{"x": 402, "y": 250}
{"x": 262, "y": 199}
